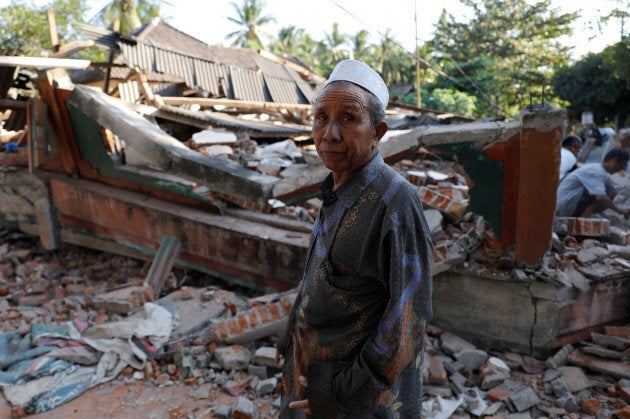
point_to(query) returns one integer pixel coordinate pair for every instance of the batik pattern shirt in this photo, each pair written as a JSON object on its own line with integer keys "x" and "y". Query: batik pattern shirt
{"x": 357, "y": 326}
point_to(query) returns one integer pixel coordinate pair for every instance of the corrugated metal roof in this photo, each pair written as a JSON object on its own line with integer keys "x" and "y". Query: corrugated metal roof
{"x": 248, "y": 85}
{"x": 284, "y": 91}
{"x": 101, "y": 37}
{"x": 272, "y": 69}
{"x": 235, "y": 73}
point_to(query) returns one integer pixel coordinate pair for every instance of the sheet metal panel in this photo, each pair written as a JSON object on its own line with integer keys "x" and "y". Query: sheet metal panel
{"x": 284, "y": 91}
{"x": 248, "y": 85}
{"x": 129, "y": 91}
{"x": 309, "y": 91}
{"x": 272, "y": 69}
{"x": 100, "y": 36}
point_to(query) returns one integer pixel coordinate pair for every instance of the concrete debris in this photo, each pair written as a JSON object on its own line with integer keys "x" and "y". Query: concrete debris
{"x": 224, "y": 341}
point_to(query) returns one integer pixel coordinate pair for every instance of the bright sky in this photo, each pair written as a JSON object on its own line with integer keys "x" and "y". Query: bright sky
{"x": 207, "y": 20}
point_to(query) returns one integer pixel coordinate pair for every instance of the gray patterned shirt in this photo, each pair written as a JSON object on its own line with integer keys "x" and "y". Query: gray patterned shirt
{"x": 357, "y": 327}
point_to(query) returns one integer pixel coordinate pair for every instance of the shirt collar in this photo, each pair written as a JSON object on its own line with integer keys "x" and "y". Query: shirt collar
{"x": 349, "y": 192}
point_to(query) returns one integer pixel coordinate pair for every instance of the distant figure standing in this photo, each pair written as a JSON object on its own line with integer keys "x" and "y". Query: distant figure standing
{"x": 571, "y": 146}
{"x": 590, "y": 187}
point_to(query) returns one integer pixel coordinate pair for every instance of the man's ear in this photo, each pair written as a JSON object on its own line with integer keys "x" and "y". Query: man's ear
{"x": 381, "y": 129}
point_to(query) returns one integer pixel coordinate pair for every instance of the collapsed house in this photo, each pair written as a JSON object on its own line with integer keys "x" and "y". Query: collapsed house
{"x": 239, "y": 192}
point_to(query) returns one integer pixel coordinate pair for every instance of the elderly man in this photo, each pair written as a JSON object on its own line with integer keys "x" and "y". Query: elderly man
{"x": 590, "y": 188}
{"x": 355, "y": 340}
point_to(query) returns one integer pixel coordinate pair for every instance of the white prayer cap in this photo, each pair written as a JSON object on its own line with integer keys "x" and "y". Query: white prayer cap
{"x": 361, "y": 74}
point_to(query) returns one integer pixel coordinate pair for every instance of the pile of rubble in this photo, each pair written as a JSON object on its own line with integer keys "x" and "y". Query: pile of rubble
{"x": 223, "y": 341}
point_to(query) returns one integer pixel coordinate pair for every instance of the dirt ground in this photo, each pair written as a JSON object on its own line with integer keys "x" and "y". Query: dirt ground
{"x": 140, "y": 400}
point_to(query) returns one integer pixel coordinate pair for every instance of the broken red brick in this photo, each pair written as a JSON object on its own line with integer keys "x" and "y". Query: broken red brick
{"x": 242, "y": 319}
{"x": 264, "y": 315}
{"x": 592, "y": 406}
{"x": 191, "y": 381}
{"x": 253, "y": 318}
{"x": 591, "y": 227}
{"x": 233, "y": 326}
{"x": 33, "y": 300}
{"x": 273, "y": 309}
{"x": 437, "y": 373}
{"x": 623, "y": 413}
{"x": 497, "y": 394}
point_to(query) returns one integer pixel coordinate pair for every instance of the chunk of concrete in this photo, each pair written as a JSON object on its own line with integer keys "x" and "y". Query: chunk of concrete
{"x": 234, "y": 357}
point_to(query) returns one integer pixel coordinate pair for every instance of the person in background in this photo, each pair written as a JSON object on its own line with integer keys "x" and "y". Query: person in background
{"x": 590, "y": 188}
{"x": 354, "y": 341}
{"x": 571, "y": 146}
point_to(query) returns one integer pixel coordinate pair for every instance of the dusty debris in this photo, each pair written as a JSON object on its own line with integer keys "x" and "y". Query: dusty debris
{"x": 460, "y": 378}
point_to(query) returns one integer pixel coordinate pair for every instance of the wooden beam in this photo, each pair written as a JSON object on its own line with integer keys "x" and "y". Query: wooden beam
{"x": 52, "y": 29}
{"x": 13, "y": 104}
{"x": 71, "y": 47}
{"x": 143, "y": 84}
{"x": 42, "y": 63}
{"x": 241, "y": 104}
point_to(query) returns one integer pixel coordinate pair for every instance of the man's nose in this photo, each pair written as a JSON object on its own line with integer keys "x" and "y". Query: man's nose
{"x": 331, "y": 132}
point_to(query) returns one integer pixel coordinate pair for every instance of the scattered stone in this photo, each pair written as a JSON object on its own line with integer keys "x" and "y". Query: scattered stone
{"x": 243, "y": 409}
{"x": 234, "y": 357}
{"x": 522, "y": 400}
{"x": 575, "y": 379}
{"x": 267, "y": 386}
{"x": 266, "y": 356}
{"x": 451, "y": 343}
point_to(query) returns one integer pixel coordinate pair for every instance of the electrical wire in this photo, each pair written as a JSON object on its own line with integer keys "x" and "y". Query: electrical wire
{"x": 485, "y": 95}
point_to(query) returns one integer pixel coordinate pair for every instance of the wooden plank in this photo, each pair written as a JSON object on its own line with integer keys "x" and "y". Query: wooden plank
{"x": 64, "y": 149}
{"x": 13, "y": 104}
{"x": 163, "y": 263}
{"x": 167, "y": 153}
{"x": 613, "y": 368}
{"x": 41, "y": 62}
{"x": 619, "y": 331}
{"x": 259, "y": 254}
{"x": 233, "y": 103}
{"x": 47, "y": 224}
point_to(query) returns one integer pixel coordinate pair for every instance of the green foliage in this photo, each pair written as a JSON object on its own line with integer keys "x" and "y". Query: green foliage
{"x": 616, "y": 58}
{"x": 24, "y": 26}
{"x": 249, "y": 16}
{"x": 127, "y": 14}
{"x": 445, "y": 100}
{"x": 518, "y": 43}
{"x": 591, "y": 85}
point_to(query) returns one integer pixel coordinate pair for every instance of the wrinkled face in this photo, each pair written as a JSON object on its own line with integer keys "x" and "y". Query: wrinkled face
{"x": 343, "y": 133}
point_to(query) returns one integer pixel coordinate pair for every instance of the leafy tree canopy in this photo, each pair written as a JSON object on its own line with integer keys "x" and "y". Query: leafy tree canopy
{"x": 518, "y": 41}
{"x": 24, "y": 26}
{"x": 591, "y": 85}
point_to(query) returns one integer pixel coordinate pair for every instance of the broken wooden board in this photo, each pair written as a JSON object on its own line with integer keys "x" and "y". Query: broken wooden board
{"x": 231, "y": 248}
{"x": 614, "y": 368}
{"x": 88, "y": 105}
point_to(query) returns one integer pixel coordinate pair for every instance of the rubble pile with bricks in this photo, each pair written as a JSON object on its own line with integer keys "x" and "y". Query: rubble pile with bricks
{"x": 224, "y": 341}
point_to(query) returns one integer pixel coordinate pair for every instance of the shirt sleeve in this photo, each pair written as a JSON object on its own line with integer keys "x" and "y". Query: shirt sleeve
{"x": 595, "y": 183}
{"x": 405, "y": 259}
